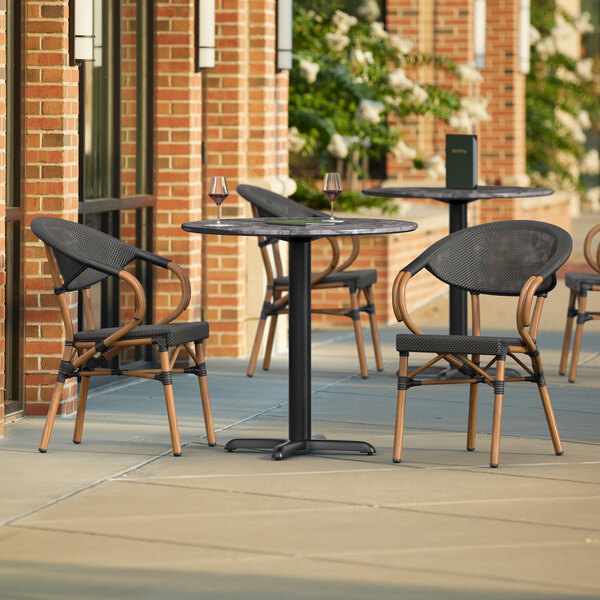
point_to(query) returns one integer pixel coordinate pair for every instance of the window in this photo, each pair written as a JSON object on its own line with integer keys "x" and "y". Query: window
{"x": 116, "y": 141}
{"x": 14, "y": 322}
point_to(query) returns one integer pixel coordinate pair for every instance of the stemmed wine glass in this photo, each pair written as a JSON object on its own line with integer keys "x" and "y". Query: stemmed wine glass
{"x": 332, "y": 188}
{"x": 218, "y": 191}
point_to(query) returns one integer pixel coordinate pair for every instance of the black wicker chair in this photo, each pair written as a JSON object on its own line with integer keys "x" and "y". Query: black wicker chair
{"x": 80, "y": 257}
{"x": 579, "y": 285}
{"x": 269, "y": 204}
{"x": 506, "y": 258}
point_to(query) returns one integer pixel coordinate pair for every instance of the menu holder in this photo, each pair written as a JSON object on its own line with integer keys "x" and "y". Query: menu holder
{"x": 461, "y": 161}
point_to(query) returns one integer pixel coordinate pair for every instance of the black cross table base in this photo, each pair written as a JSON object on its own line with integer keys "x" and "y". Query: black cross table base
{"x": 285, "y": 448}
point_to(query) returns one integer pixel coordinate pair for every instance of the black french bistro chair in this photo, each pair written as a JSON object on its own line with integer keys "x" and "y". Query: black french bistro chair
{"x": 579, "y": 285}
{"x": 270, "y": 204}
{"x": 506, "y": 258}
{"x": 80, "y": 257}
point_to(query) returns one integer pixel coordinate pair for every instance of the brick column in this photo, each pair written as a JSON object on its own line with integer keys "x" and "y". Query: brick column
{"x": 51, "y": 188}
{"x": 177, "y": 151}
{"x": 227, "y": 144}
{"x": 2, "y": 207}
{"x": 502, "y": 148}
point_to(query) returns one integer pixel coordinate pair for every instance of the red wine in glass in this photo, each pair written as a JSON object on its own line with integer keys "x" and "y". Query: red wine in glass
{"x": 217, "y": 192}
{"x": 332, "y": 188}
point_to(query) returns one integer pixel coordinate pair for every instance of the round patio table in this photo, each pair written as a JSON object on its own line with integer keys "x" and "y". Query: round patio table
{"x": 457, "y": 200}
{"x": 299, "y": 238}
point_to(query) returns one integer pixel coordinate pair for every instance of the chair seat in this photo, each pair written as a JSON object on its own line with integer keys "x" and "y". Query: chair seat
{"x": 575, "y": 281}
{"x": 455, "y": 344}
{"x": 357, "y": 279}
{"x": 169, "y": 334}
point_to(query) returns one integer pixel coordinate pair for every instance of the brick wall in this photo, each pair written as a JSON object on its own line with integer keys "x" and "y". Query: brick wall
{"x": 177, "y": 151}
{"x": 51, "y": 172}
{"x": 2, "y": 206}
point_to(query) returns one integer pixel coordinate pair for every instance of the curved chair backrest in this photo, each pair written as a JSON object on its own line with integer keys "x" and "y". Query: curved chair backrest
{"x": 84, "y": 255}
{"x": 498, "y": 258}
{"x": 592, "y": 258}
{"x": 271, "y": 204}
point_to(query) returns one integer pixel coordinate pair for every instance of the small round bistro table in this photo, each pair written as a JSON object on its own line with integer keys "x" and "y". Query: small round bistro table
{"x": 457, "y": 200}
{"x": 299, "y": 238}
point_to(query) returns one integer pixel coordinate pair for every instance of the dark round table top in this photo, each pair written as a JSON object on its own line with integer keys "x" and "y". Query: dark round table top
{"x": 450, "y": 195}
{"x": 265, "y": 226}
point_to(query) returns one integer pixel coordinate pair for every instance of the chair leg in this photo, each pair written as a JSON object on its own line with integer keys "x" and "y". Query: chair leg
{"x": 571, "y": 313}
{"x": 545, "y": 398}
{"x": 472, "y": 420}
{"x": 256, "y": 346}
{"x": 81, "y": 405}
{"x": 374, "y": 330}
{"x": 206, "y": 409}
{"x": 400, "y": 407}
{"x": 578, "y": 335}
{"x": 167, "y": 378}
{"x": 269, "y": 347}
{"x": 360, "y": 346}
{"x": 54, "y": 402}
{"x": 497, "y": 421}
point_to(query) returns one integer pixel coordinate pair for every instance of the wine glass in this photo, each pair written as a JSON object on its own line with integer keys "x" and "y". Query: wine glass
{"x": 218, "y": 191}
{"x": 332, "y": 188}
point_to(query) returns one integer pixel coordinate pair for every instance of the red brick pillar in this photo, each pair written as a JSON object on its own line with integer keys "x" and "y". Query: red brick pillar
{"x": 51, "y": 188}
{"x": 2, "y": 207}
{"x": 178, "y": 151}
{"x": 502, "y": 147}
{"x": 227, "y": 142}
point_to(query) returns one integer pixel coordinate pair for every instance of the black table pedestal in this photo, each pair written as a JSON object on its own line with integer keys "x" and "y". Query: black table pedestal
{"x": 300, "y": 439}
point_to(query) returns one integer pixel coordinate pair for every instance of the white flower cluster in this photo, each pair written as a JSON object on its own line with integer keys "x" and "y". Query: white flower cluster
{"x": 592, "y": 198}
{"x": 583, "y": 68}
{"x": 314, "y": 16}
{"x": 399, "y": 81}
{"x": 418, "y": 95}
{"x": 337, "y": 147}
{"x": 401, "y": 151}
{"x": 435, "y": 167}
{"x": 361, "y": 57}
{"x": 343, "y": 21}
{"x": 403, "y": 45}
{"x": 308, "y": 70}
{"x": 571, "y": 124}
{"x": 471, "y": 111}
{"x": 534, "y": 36}
{"x": 369, "y": 10}
{"x": 369, "y": 111}
{"x": 545, "y": 47}
{"x": 467, "y": 73}
{"x": 590, "y": 163}
{"x": 582, "y": 23}
{"x": 295, "y": 141}
{"x": 336, "y": 41}
{"x": 378, "y": 31}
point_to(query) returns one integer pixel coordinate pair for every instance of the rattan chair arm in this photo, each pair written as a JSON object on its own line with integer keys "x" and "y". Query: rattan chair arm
{"x": 186, "y": 293}
{"x": 138, "y": 315}
{"x": 335, "y": 257}
{"x": 353, "y": 254}
{"x": 594, "y": 262}
{"x": 524, "y": 309}
{"x": 399, "y": 301}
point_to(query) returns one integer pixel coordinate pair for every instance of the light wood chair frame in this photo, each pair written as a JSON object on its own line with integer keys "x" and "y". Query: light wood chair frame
{"x": 84, "y": 360}
{"x": 527, "y": 319}
{"x": 276, "y": 300}
{"x": 578, "y": 308}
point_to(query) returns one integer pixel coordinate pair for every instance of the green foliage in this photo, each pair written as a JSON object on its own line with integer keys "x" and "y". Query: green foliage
{"x": 560, "y": 93}
{"x": 346, "y": 101}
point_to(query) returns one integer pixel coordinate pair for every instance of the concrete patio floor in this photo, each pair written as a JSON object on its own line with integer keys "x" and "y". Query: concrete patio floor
{"x": 118, "y": 516}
